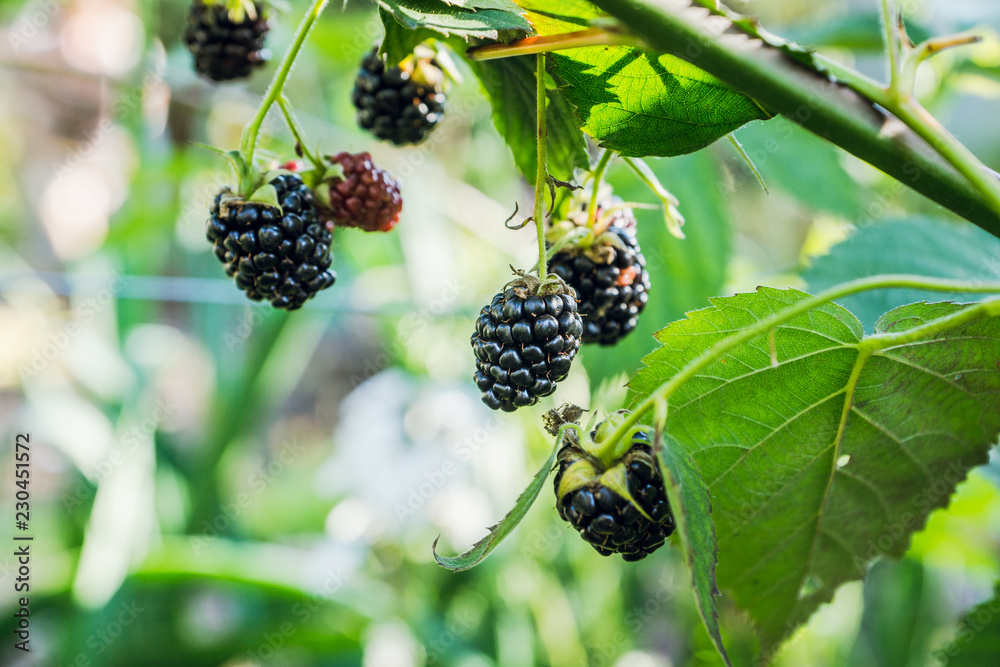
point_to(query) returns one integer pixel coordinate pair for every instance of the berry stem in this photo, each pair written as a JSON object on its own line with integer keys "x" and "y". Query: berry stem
{"x": 549, "y": 43}
{"x": 248, "y": 143}
{"x": 541, "y": 175}
{"x": 893, "y": 44}
{"x": 598, "y": 175}
{"x": 296, "y": 129}
{"x": 988, "y": 308}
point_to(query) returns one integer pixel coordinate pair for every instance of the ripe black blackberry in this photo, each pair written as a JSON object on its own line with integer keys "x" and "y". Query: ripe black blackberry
{"x": 524, "y": 344}
{"x": 609, "y": 276}
{"x": 621, "y": 508}
{"x": 282, "y": 255}
{"x": 399, "y": 104}
{"x": 364, "y": 196}
{"x": 227, "y": 39}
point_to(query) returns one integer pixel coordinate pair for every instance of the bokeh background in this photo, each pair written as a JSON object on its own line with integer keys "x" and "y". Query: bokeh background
{"x": 214, "y": 483}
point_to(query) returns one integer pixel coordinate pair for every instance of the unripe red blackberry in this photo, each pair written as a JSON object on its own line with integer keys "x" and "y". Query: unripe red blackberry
{"x": 399, "y": 104}
{"x": 365, "y": 196}
{"x": 524, "y": 344}
{"x": 608, "y": 274}
{"x": 621, "y": 508}
{"x": 282, "y": 255}
{"x": 227, "y": 39}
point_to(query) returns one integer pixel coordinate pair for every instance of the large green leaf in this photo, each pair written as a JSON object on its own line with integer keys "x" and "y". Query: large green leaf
{"x": 634, "y": 101}
{"x": 821, "y": 449}
{"x": 510, "y": 84}
{"x": 978, "y": 641}
{"x": 919, "y": 246}
{"x": 467, "y": 18}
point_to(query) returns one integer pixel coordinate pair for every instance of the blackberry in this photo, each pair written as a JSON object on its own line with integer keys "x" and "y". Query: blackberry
{"x": 398, "y": 104}
{"x": 609, "y": 277}
{"x": 282, "y": 255}
{"x": 227, "y": 43}
{"x": 619, "y": 509}
{"x": 365, "y": 196}
{"x": 524, "y": 344}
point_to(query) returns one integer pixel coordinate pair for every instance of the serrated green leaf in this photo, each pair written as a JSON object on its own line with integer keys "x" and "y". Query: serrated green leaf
{"x": 481, "y": 18}
{"x": 399, "y": 42}
{"x": 636, "y": 102}
{"x": 920, "y": 246}
{"x": 821, "y": 449}
{"x": 481, "y": 549}
{"x": 510, "y": 84}
{"x": 692, "y": 509}
{"x": 977, "y": 643}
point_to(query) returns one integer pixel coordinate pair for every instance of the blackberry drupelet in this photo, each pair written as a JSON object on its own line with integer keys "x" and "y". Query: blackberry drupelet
{"x": 609, "y": 277}
{"x": 366, "y": 196}
{"x": 395, "y": 103}
{"x": 225, "y": 48}
{"x": 279, "y": 255}
{"x": 622, "y": 509}
{"x": 524, "y": 344}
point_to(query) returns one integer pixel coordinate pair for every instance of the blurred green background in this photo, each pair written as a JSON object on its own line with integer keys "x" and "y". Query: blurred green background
{"x": 214, "y": 483}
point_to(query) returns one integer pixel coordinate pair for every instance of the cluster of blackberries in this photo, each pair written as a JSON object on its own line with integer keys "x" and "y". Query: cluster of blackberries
{"x": 227, "y": 41}
{"x": 524, "y": 344}
{"x": 282, "y": 255}
{"x": 594, "y": 501}
{"x": 394, "y": 104}
{"x": 610, "y": 279}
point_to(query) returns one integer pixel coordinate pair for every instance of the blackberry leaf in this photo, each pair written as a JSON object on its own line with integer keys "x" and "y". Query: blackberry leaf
{"x": 472, "y": 18}
{"x": 633, "y": 101}
{"x": 822, "y": 449}
{"x": 510, "y": 84}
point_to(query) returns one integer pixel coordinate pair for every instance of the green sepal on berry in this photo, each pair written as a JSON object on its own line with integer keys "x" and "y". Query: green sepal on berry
{"x": 613, "y": 493}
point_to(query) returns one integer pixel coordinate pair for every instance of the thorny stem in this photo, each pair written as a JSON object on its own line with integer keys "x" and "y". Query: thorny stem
{"x": 541, "y": 175}
{"x": 296, "y": 129}
{"x": 598, "y": 175}
{"x": 987, "y": 308}
{"x": 899, "y": 99}
{"x": 248, "y": 143}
